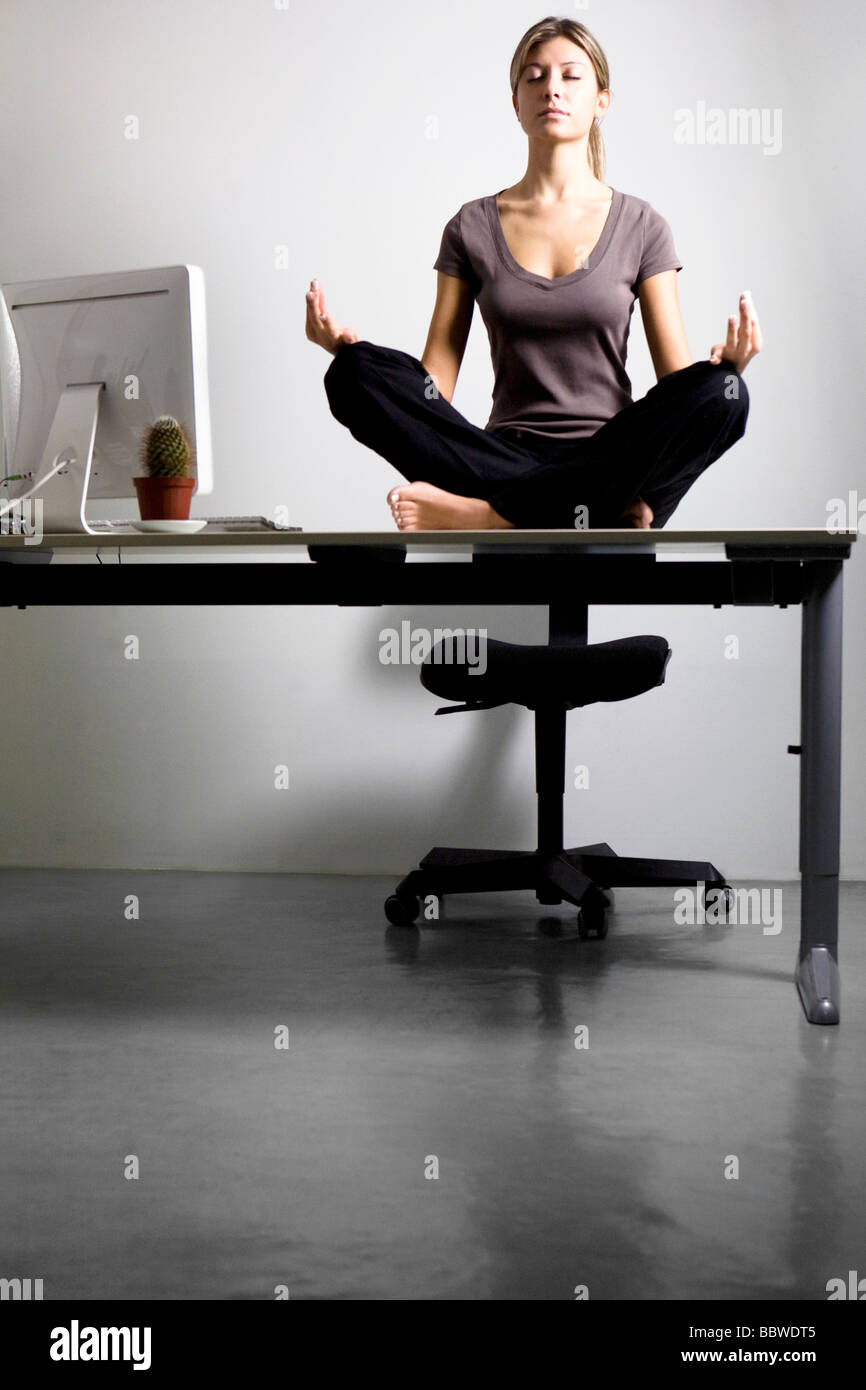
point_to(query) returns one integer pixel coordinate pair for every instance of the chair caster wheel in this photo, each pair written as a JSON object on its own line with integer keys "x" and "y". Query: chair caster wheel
{"x": 591, "y": 921}
{"x": 402, "y": 911}
{"x": 720, "y": 899}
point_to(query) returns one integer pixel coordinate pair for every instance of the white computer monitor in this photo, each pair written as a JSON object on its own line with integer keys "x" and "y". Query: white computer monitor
{"x": 87, "y": 364}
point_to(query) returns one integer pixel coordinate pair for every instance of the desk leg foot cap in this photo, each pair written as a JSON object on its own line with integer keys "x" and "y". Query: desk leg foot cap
{"x": 818, "y": 985}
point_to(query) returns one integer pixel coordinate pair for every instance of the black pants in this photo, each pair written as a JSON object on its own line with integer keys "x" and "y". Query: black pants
{"x": 654, "y": 448}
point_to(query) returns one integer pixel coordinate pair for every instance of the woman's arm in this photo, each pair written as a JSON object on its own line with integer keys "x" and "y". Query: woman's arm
{"x": 663, "y": 323}
{"x": 448, "y": 332}
{"x": 666, "y": 334}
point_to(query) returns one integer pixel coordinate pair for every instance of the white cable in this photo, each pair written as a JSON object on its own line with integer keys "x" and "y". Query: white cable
{"x": 7, "y": 506}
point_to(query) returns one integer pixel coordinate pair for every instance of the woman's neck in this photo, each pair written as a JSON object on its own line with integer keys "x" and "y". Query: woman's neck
{"x": 551, "y": 179}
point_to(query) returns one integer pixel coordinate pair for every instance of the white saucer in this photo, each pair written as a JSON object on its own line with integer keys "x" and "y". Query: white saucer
{"x": 187, "y": 527}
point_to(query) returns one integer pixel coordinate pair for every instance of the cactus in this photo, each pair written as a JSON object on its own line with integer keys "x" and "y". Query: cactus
{"x": 166, "y": 451}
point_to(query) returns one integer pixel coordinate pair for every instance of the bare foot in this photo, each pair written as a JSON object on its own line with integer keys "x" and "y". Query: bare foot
{"x": 322, "y": 327}
{"x": 638, "y": 514}
{"x": 423, "y": 507}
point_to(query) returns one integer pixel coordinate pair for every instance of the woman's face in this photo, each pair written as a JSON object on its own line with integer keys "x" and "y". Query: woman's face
{"x": 558, "y": 76}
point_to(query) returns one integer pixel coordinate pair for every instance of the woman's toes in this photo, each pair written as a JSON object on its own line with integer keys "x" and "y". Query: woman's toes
{"x": 398, "y": 507}
{"x": 638, "y": 513}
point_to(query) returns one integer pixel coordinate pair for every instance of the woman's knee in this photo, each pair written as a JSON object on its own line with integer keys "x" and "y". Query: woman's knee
{"x": 359, "y": 365}
{"x": 737, "y": 402}
{"x": 728, "y": 390}
{"x": 735, "y": 387}
{"x": 345, "y": 374}
{"x": 347, "y": 359}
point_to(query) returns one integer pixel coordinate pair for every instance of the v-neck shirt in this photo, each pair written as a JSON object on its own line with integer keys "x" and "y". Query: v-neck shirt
{"x": 558, "y": 346}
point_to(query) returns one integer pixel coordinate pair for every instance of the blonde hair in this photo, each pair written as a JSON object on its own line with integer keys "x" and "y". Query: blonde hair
{"x": 554, "y": 27}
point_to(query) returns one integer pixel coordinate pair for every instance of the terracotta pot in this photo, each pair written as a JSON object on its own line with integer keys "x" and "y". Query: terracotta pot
{"x": 164, "y": 499}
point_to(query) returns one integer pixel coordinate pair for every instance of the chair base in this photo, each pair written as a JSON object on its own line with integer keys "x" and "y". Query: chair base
{"x": 577, "y": 876}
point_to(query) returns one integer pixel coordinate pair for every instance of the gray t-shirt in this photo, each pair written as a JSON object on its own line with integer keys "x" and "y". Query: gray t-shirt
{"x": 558, "y": 346}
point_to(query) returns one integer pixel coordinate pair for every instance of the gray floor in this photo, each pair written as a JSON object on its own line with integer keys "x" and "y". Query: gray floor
{"x": 305, "y": 1167}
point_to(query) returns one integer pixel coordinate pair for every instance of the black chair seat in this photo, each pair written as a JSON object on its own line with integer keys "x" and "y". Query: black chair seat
{"x": 567, "y": 676}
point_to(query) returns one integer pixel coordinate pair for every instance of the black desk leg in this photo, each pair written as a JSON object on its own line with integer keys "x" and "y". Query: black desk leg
{"x": 820, "y": 775}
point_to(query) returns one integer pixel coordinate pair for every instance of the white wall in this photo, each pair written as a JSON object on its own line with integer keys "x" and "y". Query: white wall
{"x": 168, "y": 761}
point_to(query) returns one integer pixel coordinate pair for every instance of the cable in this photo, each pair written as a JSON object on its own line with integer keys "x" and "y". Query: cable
{"x": 7, "y": 507}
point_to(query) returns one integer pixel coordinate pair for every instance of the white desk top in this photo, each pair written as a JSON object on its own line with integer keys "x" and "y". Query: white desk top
{"x": 494, "y": 541}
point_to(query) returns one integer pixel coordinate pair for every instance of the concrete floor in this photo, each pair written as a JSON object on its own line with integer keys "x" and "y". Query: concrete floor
{"x": 305, "y": 1166}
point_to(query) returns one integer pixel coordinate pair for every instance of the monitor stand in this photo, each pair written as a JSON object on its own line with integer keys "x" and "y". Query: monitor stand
{"x": 64, "y": 470}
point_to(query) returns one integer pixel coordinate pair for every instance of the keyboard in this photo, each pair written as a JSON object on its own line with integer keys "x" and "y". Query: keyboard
{"x": 214, "y": 523}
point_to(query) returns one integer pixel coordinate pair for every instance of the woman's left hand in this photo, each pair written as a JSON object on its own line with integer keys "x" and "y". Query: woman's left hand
{"x": 744, "y": 338}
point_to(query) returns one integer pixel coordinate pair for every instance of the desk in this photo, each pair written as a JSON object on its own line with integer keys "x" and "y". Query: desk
{"x": 565, "y": 570}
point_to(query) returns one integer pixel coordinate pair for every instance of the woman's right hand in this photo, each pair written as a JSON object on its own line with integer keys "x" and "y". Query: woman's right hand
{"x": 322, "y": 327}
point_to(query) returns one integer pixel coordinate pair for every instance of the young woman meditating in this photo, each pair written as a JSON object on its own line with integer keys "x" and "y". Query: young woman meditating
{"x": 555, "y": 264}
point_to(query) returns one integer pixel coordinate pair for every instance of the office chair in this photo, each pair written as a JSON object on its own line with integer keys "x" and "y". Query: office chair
{"x": 550, "y": 680}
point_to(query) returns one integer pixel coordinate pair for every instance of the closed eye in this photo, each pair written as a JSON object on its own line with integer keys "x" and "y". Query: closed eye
{"x": 538, "y": 79}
